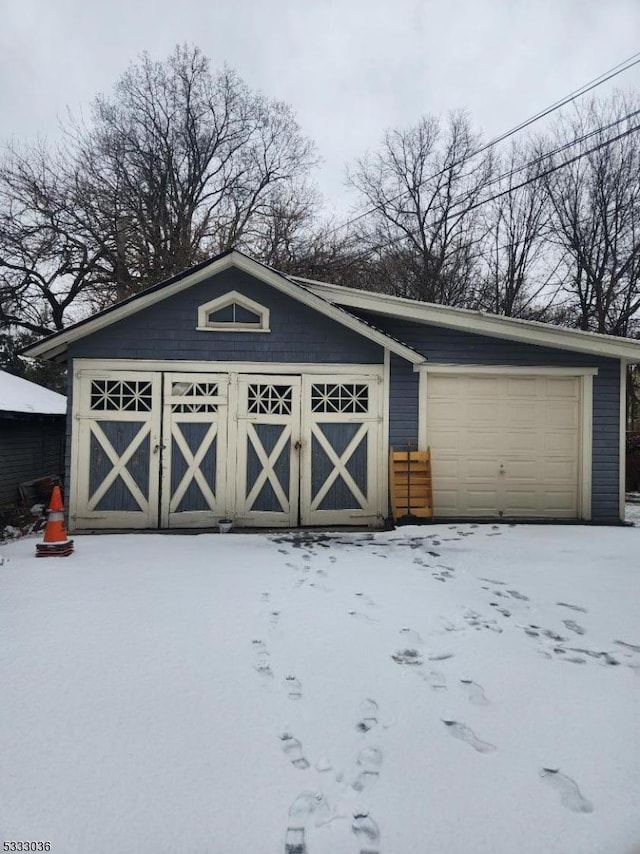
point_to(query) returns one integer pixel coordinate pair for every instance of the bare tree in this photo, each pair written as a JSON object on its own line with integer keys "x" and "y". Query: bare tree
{"x": 519, "y": 266}
{"x": 422, "y": 186}
{"x": 177, "y": 164}
{"x": 596, "y": 213}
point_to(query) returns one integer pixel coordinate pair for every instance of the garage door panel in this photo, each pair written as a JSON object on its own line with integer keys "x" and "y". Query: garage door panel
{"x": 444, "y": 414}
{"x": 481, "y": 501}
{"x": 563, "y": 444}
{"x": 485, "y": 469}
{"x": 522, "y": 470}
{"x": 562, "y": 416}
{"x": 521, "y": 386}
{"x": 561, "y": 387}
{"x": 522, "y": 414}
{"x": 447, "y": 441}
{"x": 483, "y": 441}
{"x": 481, "y": 413}
{"x": 483, "y": 387}
{"x": 507, "y": 444}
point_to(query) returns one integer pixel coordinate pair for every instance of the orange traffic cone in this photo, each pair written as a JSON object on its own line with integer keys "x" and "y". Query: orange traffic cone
{"x": 56, "y": 543}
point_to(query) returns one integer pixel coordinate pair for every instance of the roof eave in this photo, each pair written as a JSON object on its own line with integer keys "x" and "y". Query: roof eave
{"x": 514, "y": 329}
{"x": 56, "y": 345}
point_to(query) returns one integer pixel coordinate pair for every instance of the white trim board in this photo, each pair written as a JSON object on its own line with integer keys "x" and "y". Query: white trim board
{"x": 478, "y": 322}
{"x": 622, "y": 461}
{"x": 56, "y": 344}
{"x": 515, "y": 370}
{"x": 176, "y": 366}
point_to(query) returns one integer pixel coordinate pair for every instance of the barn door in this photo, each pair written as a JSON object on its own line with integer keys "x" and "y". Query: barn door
{"x": 340, "y": 481}
{"x": 267, "y": 450}
{"x": 194, "y": 450}
{"x": 116, "y": 455}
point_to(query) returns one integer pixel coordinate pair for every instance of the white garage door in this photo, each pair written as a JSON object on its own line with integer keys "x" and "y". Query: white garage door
{"x": 505, "y": 445}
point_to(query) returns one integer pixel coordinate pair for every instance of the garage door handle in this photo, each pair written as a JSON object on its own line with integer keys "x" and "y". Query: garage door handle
{"x": 501, "y": 468}
{"x": 297, "y": 444}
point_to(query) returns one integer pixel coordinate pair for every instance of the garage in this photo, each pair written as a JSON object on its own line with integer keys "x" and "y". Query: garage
{"x": 183, "y": 449}
{"x": 234, "y": 390}
{"x": 509, "y": 444}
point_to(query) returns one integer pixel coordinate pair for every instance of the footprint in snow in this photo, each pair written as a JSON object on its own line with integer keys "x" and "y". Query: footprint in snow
{"x": 358, "y": 615}
{"x": 548, "y": 633}
{"x": 475, "y": 692}
{"x": 293, "y": 751}
{"x": 300, "y": 812}
{"x": 517, "y": 595}
{"x": 411, "y": 635}
{"x": 369, "y": 715}
{"x": 332, "y": 558}
{"x": 503, "y": 611}
{"x": 572, "y": 607}
{"x": 574, "y": 627}
{"x": 366, "y": 599}
{"x": 570, "y": 795}
{"x": 632, "y": 646}
{"x": 491, "y": 580}
{"x": 284, "y": 551}
{"x": 407, "y": 656}
{"x": 439, "y": 656}
{"x": 466, "y": 734}
{"x": 367, "y": 832}
{"x": 369, "y": 761}
{"x": 262, "y": 658}
{"x": 434, "y": 679}
{"x": 274, "y": 618}
{"x": 294, "y": 687}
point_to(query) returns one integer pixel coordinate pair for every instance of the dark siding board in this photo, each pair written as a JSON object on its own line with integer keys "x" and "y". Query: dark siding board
{"x": 449, "y": 346}
{"x": 28, "y": 450}
{"x": 167, "y": 330}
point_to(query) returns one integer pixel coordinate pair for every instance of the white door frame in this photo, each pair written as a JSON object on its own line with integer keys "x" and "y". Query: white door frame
{"x": 246, "y": 436}
{"x": 82, "y": 416}
{"x": 83, "y": 369}
{"x": 372, "y": 431}
{"x": 199, "y": 408}
{"x": 585, "y": 375}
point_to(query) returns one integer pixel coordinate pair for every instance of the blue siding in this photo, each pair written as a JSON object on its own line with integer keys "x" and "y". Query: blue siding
{"x": 167, "y": 330}
{"x": 451, "y": 346}
{"x": 298, "y": 334}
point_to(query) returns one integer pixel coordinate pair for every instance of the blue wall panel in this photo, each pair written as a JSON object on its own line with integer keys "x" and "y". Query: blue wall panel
{"x": 453, "y": 347}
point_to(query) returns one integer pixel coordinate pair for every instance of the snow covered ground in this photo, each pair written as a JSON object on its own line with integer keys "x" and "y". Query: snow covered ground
{"x": 449, "y": 689}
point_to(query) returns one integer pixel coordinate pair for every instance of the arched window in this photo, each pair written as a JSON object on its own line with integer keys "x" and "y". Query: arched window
{"x": 233, "y": 312}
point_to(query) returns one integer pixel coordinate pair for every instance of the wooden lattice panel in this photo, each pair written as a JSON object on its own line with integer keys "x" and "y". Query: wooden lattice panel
{"x": 411, "y": 485}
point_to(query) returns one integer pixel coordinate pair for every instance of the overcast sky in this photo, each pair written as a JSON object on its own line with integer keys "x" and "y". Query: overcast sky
{"x": 349, "y": 68}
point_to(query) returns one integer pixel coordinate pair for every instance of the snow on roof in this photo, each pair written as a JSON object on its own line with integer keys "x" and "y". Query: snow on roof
{"x": 18, "y": 395}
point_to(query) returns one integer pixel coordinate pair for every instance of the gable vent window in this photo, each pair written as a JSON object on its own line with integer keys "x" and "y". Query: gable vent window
{"x": 233, "y": 312}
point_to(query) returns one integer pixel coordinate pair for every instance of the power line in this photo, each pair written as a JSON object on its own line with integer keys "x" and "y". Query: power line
{"x": 625, "y": 65}
{"x": 538, "y": 175}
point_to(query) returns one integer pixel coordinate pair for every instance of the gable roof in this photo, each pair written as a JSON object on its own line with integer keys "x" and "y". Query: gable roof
{"x": 19, "y": 395}
{"x": 56, "y": 344}
{"x": 481, "y": 323}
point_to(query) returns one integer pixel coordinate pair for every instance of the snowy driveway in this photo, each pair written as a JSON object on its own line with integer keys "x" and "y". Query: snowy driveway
{"x": 400, "y": 693}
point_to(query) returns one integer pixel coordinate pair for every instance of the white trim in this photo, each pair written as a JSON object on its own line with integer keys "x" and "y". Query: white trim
{"x": 497, "y": 370}
{"x": 74, "y": 455}
{"x": 481, "y": 323}
{"x": 370, "y": 426}
{"x": 585, "y": 375}
{"x": 622, "y": 462}
{"x": 57, "y": 343}
{"x": 232, "y": 298}
{"x": 586, "y": 441}
{"x": 178, "y": 366}
{"x": 383, "y": 467}
{"x": 422, "y": 410}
